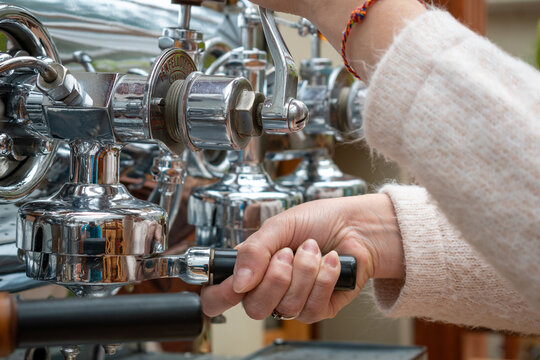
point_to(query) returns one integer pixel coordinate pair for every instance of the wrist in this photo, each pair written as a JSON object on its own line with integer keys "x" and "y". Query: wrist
{"x": 375, "y": 223}
{"x": 369, "y": 40}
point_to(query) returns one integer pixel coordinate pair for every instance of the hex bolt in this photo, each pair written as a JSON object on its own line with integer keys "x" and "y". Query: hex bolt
{"x": 70, "y": 352}
{"x": 111, "y": 349}
{"x": 6, "y": 145}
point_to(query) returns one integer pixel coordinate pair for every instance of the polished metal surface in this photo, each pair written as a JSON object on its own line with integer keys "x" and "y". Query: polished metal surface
{"x": 9, "y": 259}
{"x": 248, "y": 61}
{"x": 27, "y": 35}
{"x": 227, "y": 212}
{"x": 346, "y": 99}
{"x": 138, "y": 111}
{"x": 250, "y": 64}
{"x": 335, "y": 102}
{"x": 48, "y": 73}
{"x": 190, "y": 41}
{"x": 356, "y": 99}
{"x": 316, "y": 99}
{"x": 86, "y": 121}
{"x": 89, "y": 234}
{"x": 8, "y": 226}
{"x": 27, "y": 32}
{"x": 172, "y": 65}
{"x": 316, "y": 70}
{"x": 168, "y": 172}
{"x": 193, "y": 267}
{"x": 18, "y": 281}
{"x": 63, "y": 87}
{"x": 214, "y": 50}
{"x": 214, "y": 112}
{"x": 124, "y": 31}
{"x": 318, "y": 177}
{"x": 282, "y": 112}
{"x": 85, "y": 60}
{"x": 182, "y": 37}
{"x": 321, "y": 350}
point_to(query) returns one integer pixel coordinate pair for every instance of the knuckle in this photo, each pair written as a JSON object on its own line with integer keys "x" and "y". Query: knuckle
{"x": 326, "y": 281}
{"x": 249, "y": 247}
{"x": 279, "y": 278}
{"x": 310, "y": 315}
{"x": 289, "y": 308}
{"x": 254, "y": 310}
{"x": 307, "y": 264}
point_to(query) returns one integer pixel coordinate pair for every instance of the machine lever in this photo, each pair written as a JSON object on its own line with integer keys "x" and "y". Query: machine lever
{"x": 204, "y": 265}
{"x": 223, "y": 261}
{"x": 282, "y": 112}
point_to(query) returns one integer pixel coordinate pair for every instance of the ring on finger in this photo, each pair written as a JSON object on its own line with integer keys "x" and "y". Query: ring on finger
{"x": 278, "y": 316}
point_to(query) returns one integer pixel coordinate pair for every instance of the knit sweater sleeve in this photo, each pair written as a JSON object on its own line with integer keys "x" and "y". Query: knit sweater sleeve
{"x": 463, "y": 117}
{"x": 446, "y": 279}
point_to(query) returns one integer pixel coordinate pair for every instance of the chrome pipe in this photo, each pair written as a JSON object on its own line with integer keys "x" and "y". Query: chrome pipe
{"x": 48, "y": 73}
{"x": 184, "y": 16}
{"x": 94, "y": 163}
{"x": 220, "y": 61}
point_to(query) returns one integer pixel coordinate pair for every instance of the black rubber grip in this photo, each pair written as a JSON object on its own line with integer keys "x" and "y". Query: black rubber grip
{"x": 222, "y": 266}
{"x": 109, "y": 320}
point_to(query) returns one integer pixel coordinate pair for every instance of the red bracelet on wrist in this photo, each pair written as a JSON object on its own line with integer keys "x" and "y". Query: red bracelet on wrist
{"x": 357, "y": 16}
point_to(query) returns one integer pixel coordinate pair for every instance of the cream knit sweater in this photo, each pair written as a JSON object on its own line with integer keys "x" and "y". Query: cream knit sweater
{"x": 464, "y": 118}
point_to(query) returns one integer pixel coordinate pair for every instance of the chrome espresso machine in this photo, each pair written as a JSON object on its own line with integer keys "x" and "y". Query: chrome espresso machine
{"x": 137, "y": 145}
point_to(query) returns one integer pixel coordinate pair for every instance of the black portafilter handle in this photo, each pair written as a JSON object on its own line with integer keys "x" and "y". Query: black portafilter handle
{"x": 223, "y": 261}
{"x": 109, "y": 320}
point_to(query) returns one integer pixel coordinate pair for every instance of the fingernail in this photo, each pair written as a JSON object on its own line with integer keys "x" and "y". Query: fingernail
{"x": 311, "y": 246}
{"x": 331, "y": 260}
{"x": 285, "y": 256}
{"x": 241, "y": 280}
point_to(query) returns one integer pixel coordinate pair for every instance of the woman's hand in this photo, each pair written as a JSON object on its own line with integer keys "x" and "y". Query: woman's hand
{"x": 282, "y": 265}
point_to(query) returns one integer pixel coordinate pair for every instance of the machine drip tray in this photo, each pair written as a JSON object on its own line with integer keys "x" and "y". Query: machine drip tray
{"x": 280, "y": 350}
{"x": 285, "y": 350}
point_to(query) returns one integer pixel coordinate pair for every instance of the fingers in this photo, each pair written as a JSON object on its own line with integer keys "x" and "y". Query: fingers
{"x": 288, "y": 229}
{"x": 255, "y": 253}
{"x": 260, "y": 302}
{"x": 216, "y": 299}
{"x": 318, "y": 306}
{"x": 304, "y": 274}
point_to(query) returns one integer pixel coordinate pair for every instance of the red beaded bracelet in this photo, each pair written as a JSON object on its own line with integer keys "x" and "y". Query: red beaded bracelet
{"x": 357, "y": 16}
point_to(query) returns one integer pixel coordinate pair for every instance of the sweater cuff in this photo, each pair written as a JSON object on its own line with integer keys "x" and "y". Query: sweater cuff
{"x": 410, "y": 60}
{"x": 420, "y": 228}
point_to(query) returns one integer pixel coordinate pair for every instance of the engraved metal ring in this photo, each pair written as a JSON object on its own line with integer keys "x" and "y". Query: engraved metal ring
{"x": 278, "y": 316}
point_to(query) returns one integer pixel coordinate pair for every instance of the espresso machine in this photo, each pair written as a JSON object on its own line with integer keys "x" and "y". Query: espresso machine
{"x": 92, "y": 235}
{"x": 94, "y": 163}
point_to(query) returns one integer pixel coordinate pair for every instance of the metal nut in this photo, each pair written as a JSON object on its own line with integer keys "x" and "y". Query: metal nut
{"x": 64, "y": 88}
{"x": 6, "y": 145}
{"x": 245, "y": 113}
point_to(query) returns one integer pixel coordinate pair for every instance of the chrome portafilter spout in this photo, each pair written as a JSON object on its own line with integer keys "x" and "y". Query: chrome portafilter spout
{"x": 318, "y": 177}
{"x": 88, "y": 236}
{"x": 228, "y": 212}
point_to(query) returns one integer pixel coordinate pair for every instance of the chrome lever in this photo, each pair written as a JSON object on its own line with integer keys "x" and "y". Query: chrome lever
{"x": 282, "y": 112}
